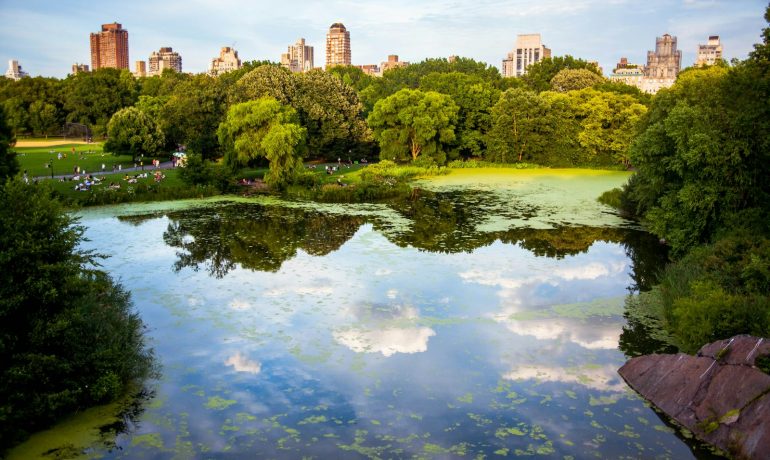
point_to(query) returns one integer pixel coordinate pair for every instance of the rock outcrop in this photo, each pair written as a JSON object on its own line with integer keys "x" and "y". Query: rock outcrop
{"x": 719, "y": 394}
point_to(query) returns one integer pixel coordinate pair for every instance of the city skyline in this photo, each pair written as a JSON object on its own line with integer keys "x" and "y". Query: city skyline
{"x": 485, "y": 30}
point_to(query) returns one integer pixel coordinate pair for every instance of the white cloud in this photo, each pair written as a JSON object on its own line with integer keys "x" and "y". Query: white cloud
{"x": 602, "y": 378}
{"x": 241, "y": 363}
{"x": 386, "y": 341}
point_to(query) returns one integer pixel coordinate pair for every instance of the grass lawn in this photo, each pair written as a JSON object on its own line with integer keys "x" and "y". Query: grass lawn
{"x": 88, "y": 156}
{"x": 145, "y": 189}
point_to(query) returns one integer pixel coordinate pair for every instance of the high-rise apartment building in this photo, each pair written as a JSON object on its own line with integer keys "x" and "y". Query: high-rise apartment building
{"x": 709, "y": 53}
{"x": 14, "y": 71}
{"x": 165, "y": 58}
{"x": 337, "y": 45}
{"x": 226, "y": 62}
{"x": 78, "y": 68}
{"x": 529, "y": 50}
{"x": 109, "y": 48}
{"x": 299, "y": 57}
{"x": 140, "y": 69}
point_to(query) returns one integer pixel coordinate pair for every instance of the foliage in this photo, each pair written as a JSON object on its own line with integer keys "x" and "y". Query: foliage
{"x": 132, "y": 132}
{"x": 91, "y": 98}
{"x": 539, "y": 75}
{"x": 192, "y": 114}
{"x": 474, "y": 98}
{"x": 609, "y": 122}
{"x": 718, "y": 291}
{"x": 196, "y": 171}
{"x": 59, "y": 316}
{"x": 575, "y": 79}
{"x": 523, "y": 126}
{"x": 703, "y": 155}
{"x": 9, "y": 165}
{"x": 264, "y": 128}
{"x": 412, "y": 123}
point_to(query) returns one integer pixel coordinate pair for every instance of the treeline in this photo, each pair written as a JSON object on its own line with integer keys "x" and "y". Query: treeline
{"x": 703, "y": 184}
{"x": 562, "y": 113}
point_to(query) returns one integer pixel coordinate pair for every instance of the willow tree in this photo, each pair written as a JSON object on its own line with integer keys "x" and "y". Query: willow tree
{"x": 414, "y": 123}
{"x": 264, "y": 128}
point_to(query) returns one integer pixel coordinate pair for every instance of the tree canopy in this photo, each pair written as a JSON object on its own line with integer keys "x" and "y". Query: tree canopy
{"x": 264, "y": 128}
{"x": 132, "y": 132}
{"x": 414, "y": 123}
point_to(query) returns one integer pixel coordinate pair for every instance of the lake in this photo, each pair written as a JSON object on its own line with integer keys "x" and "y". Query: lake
{"x": 483, "y": 316}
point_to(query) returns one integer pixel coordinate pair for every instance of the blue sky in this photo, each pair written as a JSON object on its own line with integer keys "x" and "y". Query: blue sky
{"x": 47, "y": 37}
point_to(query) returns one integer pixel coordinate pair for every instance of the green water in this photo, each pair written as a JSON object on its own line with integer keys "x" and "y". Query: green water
{"x": 484, "y": 317}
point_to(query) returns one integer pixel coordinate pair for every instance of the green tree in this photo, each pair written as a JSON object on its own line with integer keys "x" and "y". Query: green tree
{"x": 267, "y": 80}
{"x": 91, "y": 98}
{"x": 264, "y": 128}
{"x": 474, "y": 98}
{"x": 412, "y": 123}
{"x": 330, "y": 111}
{"x": 575, "y": 79}
{"x": 68, "y": 336}
{"x": 17, "y": 115}
{"x": 43, "y": 117}
{"x": 132, "y": 132}
{"x": 522, "y": 129}
{"x": 609, "y": 122}
{"x": 9, "y": 165}
{"x": 540, "y": 74}
{"x": 192, "y": 114}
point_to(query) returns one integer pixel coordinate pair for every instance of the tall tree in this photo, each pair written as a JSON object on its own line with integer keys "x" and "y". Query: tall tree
{"x": 413, "y": 123}
{"x": 91, "y": 98}
{"x": 264, "y": 128}
{"x": 474, "y": 98}
{"x": 522, "y": 127}
{"x": 131, "y": 131}
{"x": 192, "y": 114}
{"x": 9, "y": 165}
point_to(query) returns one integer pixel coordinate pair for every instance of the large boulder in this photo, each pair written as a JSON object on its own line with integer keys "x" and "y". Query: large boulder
{"x": 719, "y": 394}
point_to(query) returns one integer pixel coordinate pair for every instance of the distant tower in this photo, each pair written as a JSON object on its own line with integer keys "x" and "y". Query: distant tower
{"x": 166, "y": 58}
{"x": 140, "y": 69}
{"x": 109, "y": 48}
{"x": 78, "y": 68}
{"x": 299, "y": 57}
{"x": 226, "y": 62}
{"x": 14, "y": 71}
{"x": 709, "y": 54}
{"x": 666, "y": 61}
{"x": 337, "y": 46}
{"x": 529, "y": 50}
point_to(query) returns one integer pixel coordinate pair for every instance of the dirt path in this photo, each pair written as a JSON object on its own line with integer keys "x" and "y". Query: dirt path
{"x": 51, "y": 143}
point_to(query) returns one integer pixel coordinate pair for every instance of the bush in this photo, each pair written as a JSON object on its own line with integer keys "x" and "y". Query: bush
{"x": 68, "y": 336}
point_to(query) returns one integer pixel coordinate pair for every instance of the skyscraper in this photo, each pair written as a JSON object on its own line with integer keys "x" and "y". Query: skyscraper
{"x": 529, "y": 50}
{"x": 337, "y": 45}
{"x": 299, "y": 57}
{"x": 709, "y": 53}
{"x": 109, "y": 48}
{"x": 166, "y": 58}
{"x": 140, "y": 69}
{"x": 665, "y": 61}
{"x": 226, "y": 62}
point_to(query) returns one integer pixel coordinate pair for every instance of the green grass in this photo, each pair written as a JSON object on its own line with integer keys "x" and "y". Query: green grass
{"x": 88, "y": 156}
{"x": 145, "y": 189}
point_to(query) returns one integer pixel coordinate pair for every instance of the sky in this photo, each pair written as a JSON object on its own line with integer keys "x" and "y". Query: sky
{"x": 47, "y": 37}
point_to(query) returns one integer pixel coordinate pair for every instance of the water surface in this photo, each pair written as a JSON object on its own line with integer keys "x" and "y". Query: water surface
{"x": 481, "y": 318}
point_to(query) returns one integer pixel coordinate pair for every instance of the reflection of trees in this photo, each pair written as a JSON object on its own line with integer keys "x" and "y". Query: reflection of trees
{"x": 253, "y": 236}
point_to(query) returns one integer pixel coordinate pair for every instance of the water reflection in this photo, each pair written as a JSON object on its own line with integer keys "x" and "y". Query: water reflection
{"x": 291, "y": 331}
{"x": 261, "y": 237}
